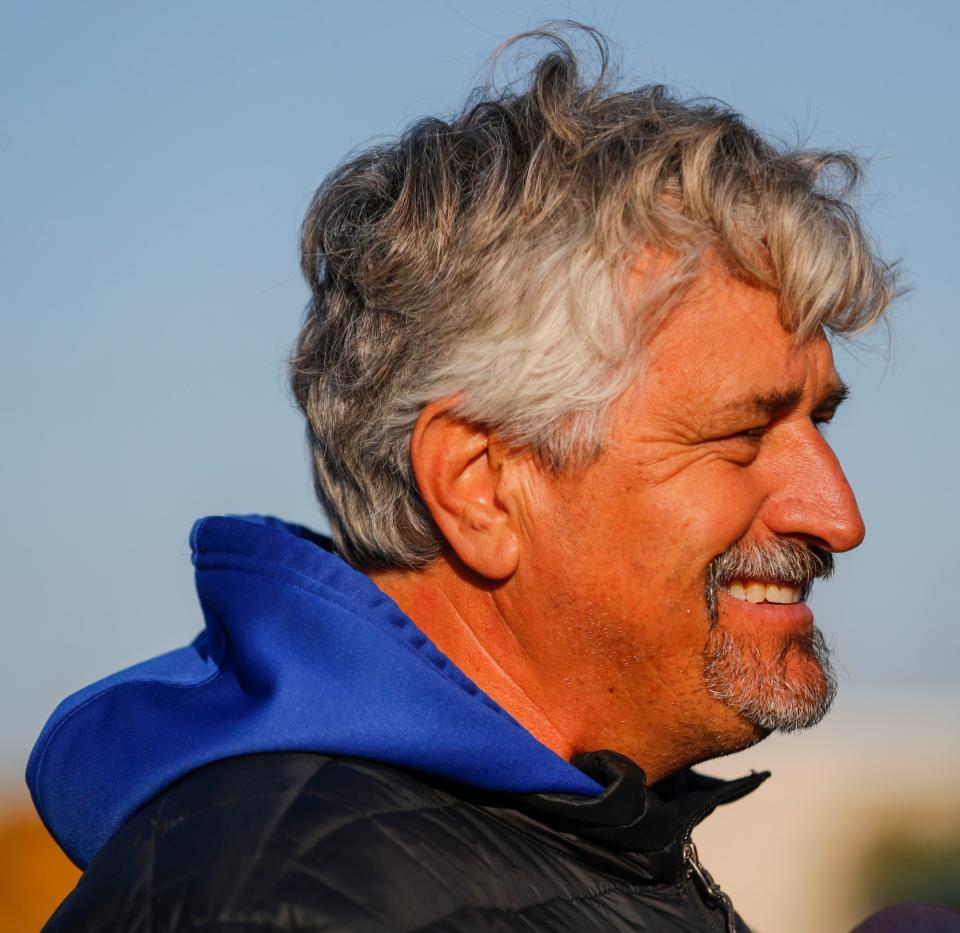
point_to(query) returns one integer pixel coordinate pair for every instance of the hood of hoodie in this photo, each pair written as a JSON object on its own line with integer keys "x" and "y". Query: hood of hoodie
{"x": 300, "y": 653}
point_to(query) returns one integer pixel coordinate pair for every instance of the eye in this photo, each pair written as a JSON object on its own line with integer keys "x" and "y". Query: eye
{"x": 820, "y": 422}
{"x": 756, "y": 435}
{"x": 744, "y": 446}
{"x": 753, "y": 435}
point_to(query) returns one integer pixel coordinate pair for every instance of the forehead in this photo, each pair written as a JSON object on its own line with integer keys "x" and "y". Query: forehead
{"x": 725, "y": 343}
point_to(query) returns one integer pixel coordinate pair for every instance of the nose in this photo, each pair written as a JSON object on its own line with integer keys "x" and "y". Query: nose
{"x": 811, "y": 497}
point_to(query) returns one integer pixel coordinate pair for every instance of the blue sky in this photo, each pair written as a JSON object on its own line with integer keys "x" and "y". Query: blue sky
{"x": 156, "y": 162}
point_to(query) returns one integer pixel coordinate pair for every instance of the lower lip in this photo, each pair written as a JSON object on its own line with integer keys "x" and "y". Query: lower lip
{"x": 785, "y": 616}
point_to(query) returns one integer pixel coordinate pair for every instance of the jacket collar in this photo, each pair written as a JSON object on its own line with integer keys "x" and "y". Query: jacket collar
{"x": 650, "y": 824}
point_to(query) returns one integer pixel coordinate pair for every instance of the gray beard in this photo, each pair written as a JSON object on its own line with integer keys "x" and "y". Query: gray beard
{"x": 762, "y": 691}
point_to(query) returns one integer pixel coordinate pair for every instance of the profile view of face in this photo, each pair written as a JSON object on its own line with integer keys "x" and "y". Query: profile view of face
{"x": 681, "y": 558}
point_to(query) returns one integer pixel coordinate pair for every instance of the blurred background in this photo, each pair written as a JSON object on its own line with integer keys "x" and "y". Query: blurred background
{"x": 156, "y": 162}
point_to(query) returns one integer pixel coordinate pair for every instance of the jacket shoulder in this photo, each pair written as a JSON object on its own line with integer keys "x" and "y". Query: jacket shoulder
{"x": 277, "y": 841}
{"x": 301, "y": 841}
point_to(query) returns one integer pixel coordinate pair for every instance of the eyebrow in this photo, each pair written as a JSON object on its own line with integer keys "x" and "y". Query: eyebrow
{"x": 779, "y": 401}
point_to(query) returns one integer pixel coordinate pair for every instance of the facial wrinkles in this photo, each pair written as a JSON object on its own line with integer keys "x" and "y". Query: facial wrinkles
{"x": 688, "y": 434}
{"x": 668, "y": 459}
{"x": 659, "y": 435}
{"x": 665, "y": 451}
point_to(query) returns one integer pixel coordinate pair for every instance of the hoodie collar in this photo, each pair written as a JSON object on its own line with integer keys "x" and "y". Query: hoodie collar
{"x": 300, "y": 653}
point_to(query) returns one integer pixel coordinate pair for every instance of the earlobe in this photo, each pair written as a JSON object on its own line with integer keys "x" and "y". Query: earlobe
{"x": 461, "y": 475}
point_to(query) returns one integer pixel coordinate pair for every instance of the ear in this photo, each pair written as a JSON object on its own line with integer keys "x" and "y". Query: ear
{"x": 461, "y": 471}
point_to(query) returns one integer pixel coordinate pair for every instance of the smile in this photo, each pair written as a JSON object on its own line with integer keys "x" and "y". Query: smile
{"x": 758, "y": 591}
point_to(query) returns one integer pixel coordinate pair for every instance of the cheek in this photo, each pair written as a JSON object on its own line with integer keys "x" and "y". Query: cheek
{"x": 674, "y": 535}
{"x": 641, "y": 549}
{"x": 711, "y": 509}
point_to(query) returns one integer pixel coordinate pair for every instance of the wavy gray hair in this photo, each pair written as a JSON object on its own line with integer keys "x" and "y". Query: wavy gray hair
{"x": 488, "y": 257}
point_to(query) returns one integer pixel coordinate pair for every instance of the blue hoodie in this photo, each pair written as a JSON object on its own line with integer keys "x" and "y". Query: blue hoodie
{"x": 300, "y": 653}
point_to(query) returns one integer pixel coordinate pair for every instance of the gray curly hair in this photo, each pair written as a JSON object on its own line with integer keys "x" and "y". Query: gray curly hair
{"x": 487, "y": 257}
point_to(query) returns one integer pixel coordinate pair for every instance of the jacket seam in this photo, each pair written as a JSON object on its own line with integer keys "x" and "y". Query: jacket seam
{"x": 624, "y": 887}
{"x": 312, "y": 795}
{"x": 258, "y": 856}
{"x": 273, "y": 825}
{"x": 573, "y": 858}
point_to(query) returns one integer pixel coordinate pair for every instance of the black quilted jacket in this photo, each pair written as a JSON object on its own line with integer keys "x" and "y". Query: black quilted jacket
{"x": 297, "y": 841}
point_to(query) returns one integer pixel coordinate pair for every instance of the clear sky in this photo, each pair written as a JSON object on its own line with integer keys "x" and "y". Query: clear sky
{"x": 155, "y": 161}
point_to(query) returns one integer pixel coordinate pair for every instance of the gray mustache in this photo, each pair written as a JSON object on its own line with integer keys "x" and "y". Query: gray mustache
{"x": 780, "y": 559}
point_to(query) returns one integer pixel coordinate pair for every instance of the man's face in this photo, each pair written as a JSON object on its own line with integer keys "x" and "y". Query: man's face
{"x": 678, "y": 563}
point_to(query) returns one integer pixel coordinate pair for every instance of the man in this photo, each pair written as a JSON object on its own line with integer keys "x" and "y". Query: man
{"x": 565, "y": 371}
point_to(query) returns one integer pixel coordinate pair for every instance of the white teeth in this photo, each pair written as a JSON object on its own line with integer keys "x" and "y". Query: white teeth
{"x": 736, "y": 589}
{"x": 783, "y": 594}
{"x": 754, "y": 591}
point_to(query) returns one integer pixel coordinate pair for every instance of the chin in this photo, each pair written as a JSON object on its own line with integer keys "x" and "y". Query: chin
{"x": 782, "y": 686}
{"x": 744, "y": 734}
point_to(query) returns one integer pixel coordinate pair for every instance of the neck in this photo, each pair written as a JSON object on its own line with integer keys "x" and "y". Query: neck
{"x": 467, "y": 619}
{"x": 572, "y": 700}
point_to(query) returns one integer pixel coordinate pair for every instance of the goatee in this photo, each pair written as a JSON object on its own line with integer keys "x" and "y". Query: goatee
{"x": 794, "y": 688}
